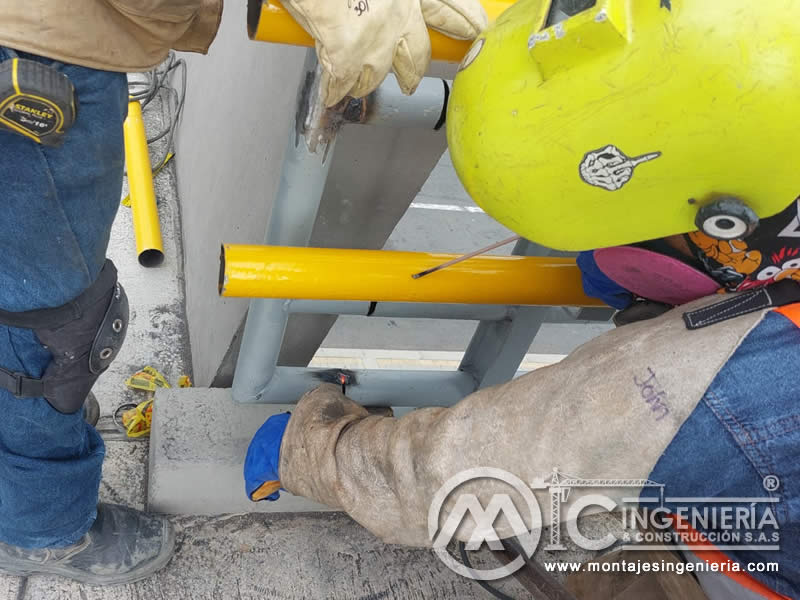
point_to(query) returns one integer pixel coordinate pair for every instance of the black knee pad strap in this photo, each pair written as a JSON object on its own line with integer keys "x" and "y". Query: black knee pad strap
{"x": 84, "y": 336}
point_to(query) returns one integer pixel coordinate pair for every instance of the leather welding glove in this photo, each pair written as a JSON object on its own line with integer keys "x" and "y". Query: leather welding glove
{"x": 359, "y": 41}
{"x": 262, "y": 481}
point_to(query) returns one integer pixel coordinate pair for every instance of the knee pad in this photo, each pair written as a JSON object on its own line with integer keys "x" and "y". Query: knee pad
{"x": 84, "y": 336}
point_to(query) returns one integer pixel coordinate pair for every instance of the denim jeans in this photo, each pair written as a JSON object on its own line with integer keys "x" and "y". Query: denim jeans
{"x": 58, "y": 206}
{"x": 743, "y": 436}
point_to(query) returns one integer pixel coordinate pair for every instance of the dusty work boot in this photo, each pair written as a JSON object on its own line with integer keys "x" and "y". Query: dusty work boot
{"x": 123, "y": 545}
{"x": 91, "y": 410}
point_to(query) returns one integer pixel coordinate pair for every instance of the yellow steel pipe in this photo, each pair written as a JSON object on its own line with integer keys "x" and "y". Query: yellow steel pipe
{"x": 269, "y": 21}
{"x": 149, "y": 246}
{"x": 385, "y": 276}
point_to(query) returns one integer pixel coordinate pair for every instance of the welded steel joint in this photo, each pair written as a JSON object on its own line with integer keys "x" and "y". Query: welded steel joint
{"x": 318, "y": 125}
{"x": 315, "y": 124}
{"x": 426, "y": 108}
{"x": 354, "y": 109}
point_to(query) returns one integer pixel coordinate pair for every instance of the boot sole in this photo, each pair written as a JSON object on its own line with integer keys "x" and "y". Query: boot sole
{"x": 23, "y": 568}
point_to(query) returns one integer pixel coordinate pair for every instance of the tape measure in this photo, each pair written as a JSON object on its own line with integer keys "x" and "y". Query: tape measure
{"x": 36, "y": 101}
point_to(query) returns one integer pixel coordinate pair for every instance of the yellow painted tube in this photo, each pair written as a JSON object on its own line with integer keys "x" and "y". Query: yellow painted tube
{"x": 149, "y": 246}
{"x": 269, "y": 21}
{"x": 385, "y": 276}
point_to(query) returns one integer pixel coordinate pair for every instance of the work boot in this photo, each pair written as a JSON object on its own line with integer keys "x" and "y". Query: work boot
{"x": 91, "y": 410}
{"x": 123, "y": 545}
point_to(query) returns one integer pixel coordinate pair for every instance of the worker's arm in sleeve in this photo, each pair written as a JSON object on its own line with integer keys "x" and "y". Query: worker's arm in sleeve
{"x": 607, "y": 410}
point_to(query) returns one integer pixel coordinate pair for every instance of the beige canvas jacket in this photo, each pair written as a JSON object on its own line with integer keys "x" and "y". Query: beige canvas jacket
{"x": 114, "y": 35}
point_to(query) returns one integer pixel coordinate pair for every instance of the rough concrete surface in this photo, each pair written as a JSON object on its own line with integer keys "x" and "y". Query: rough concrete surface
{"x": 197, "y": 449}
{"x": 230, "y": 146}
{"x": 291, "y": 557}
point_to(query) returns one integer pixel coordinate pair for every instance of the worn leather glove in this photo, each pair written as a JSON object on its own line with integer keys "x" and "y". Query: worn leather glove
{"x": 359, "y": 41}
{"x": 262, "y": 481}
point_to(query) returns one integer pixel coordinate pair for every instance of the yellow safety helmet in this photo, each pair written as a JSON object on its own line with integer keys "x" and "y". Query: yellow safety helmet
{"x": 630, "y": 119}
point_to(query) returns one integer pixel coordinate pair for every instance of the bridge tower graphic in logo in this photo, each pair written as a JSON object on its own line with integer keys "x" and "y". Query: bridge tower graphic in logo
{"x": 561, "y": 484}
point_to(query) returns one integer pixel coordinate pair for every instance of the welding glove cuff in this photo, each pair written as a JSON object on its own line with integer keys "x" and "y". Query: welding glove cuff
{"x": 359, "y": 41}
{"x": 261, "y": 463}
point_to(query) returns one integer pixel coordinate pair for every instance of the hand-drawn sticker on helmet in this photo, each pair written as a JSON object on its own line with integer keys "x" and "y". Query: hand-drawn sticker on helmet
{"x": 472, "y": 54}
{"x": 610, "y": 168}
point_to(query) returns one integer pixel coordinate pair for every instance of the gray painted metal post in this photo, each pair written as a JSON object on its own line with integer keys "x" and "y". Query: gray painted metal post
{"x": 373, "y": 387}
{"x": 305, "y": 169}
{"x": 462, "y": 312}
{"x": 425, "y": 108}
{"x": 497, "y": 348}
{"x": 403, "y": 310}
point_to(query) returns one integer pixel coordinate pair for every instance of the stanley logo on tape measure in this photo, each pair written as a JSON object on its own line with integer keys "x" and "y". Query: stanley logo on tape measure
{"x": 36, "y": 101}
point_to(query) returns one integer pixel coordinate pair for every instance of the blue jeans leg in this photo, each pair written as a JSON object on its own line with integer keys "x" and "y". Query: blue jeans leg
{"x": 58, "y": 206}
{"x": 744, "y": 432}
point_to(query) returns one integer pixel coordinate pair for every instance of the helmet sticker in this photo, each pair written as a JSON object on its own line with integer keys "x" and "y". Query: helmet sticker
{"x": 610, "y": 168}
{"x": 471, "y": 54}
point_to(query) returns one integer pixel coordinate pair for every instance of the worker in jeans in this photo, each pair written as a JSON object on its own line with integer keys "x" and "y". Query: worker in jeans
{"x": 62, "y": 311}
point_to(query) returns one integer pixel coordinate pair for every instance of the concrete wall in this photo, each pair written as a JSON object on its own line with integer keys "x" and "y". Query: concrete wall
{"x": 229, "y": 149}
{"x": 240, "y": 104}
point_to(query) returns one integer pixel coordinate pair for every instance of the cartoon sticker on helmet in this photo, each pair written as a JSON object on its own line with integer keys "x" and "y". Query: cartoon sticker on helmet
{"x": 610, "y": 168}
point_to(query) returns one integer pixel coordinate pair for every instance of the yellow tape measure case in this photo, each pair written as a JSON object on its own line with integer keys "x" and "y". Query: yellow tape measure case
{"x": 36, "y": 100}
